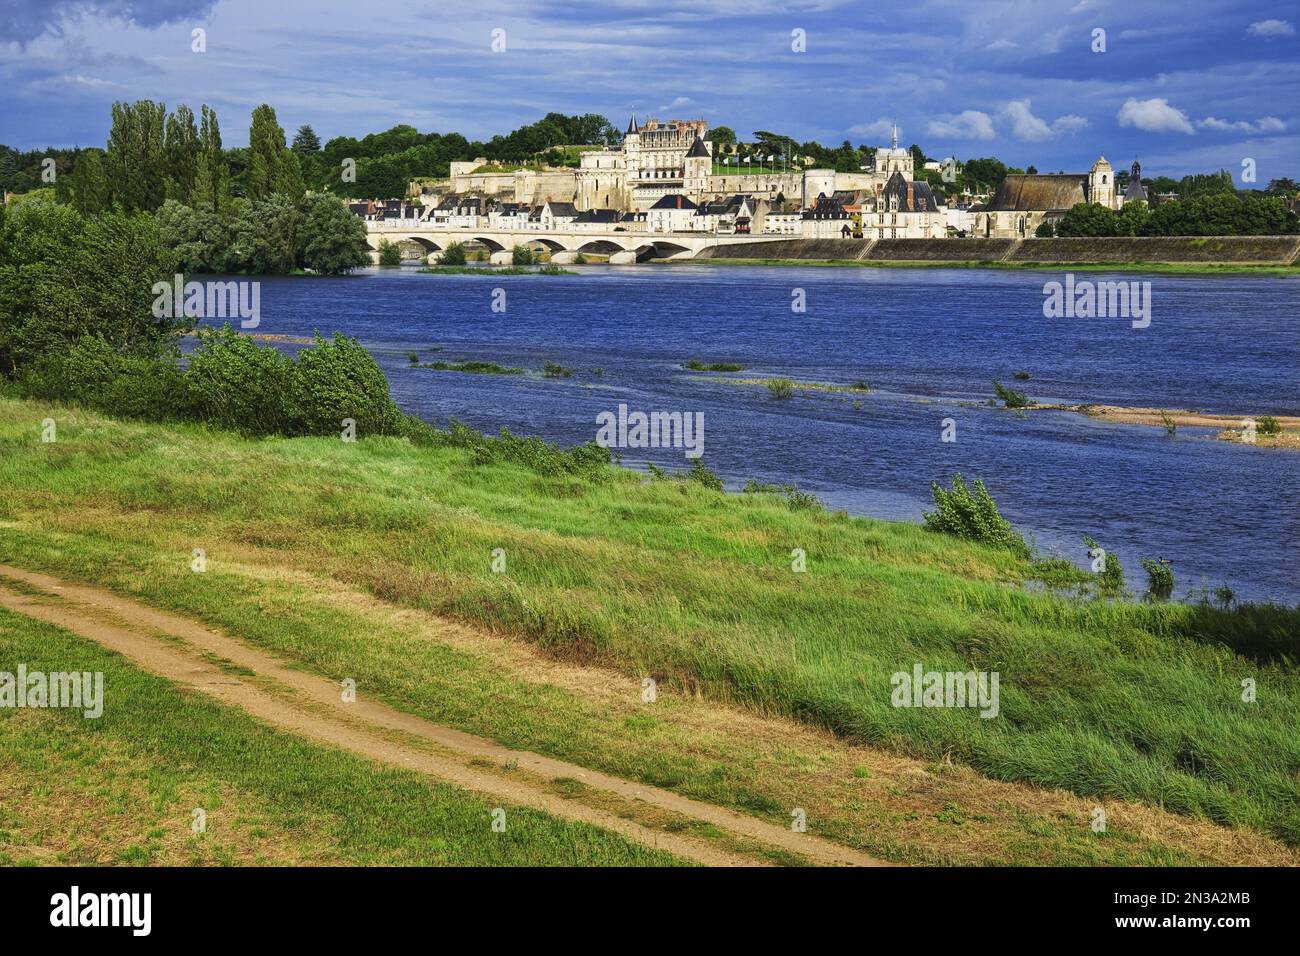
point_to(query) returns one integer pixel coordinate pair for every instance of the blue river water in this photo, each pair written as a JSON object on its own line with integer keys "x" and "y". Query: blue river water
{"x": 928, "y": 342}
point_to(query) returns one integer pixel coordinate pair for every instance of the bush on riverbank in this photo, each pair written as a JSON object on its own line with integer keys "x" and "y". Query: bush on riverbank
{"x": 972, "y": 514}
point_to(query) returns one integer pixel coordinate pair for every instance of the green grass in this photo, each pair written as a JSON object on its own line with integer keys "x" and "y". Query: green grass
{"x": 357, "y": 812}
{"x": 696, "y": 365}
{"x": 490, "y": 270}
{"x": 1165, "y": 268}
{"x": 474, "y": 367}
{"x": 1108, "y": 699}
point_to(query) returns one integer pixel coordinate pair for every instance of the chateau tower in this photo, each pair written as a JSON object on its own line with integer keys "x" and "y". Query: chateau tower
{"x": 698, "y": 166}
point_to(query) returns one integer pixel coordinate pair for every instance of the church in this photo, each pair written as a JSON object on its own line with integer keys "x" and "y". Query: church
{"x": 1024, "y": 200}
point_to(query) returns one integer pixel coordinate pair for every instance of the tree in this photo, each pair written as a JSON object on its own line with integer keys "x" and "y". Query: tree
{"x": 200, "y": 238}
{"x": 90, "y": 192}
{"x": 181, "y": 143}
{"x": 334, "y": 240}
{"x": 1131, "y": 219}
{"x": 1286, "y": 186}
{"x": 212, "y": 174}
{"x": 723, "y": 138}
{"x": 136, "y": 155}
{"x": 306, "y": 142}
{"x": 1087, "y": 219}
{"x": 272, "y": 168}
{"x": 115, "y": 257}
{"x": 266, "y": 237}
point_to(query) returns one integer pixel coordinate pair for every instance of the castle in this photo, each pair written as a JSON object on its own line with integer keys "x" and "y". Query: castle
{"x": 662, "y": 158}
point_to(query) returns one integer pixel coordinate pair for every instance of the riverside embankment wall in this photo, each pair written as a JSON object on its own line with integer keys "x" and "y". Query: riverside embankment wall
{"x": 1269, "y": 250}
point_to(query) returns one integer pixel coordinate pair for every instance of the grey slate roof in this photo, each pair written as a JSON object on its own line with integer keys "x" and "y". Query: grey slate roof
{"x": 1022, "y": 192}
{"x": 674, "y": 201}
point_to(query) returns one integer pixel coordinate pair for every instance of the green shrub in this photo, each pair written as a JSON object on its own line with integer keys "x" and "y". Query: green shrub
{"x": 1111, "y": 580}
{"x": 91, "y": 372}
{"x": 972, "y": 514}
{"x": 1267, "y": 425}
{"x": 232, "y": 382}
{"x": 703, "y": 476}
{"x": 235, "y": 383}
{"x": 454, "y": 255}
{"x": 588, "y": 459}
{"x": 780, "y": 388}
{"x": 521, "y": 255}
{"x": 1160, "y": 578}
{"x": 555, "y": 370}
{"x": 389, "y": 253}
{"x": 1010, "y": 397}
{"x": 337, "y": 379}
{"x": 796, "y": 499}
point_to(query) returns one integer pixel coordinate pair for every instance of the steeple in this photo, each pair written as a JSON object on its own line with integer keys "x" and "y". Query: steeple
{"x": 631, "y": 124}
{"x": 894, "y": 144}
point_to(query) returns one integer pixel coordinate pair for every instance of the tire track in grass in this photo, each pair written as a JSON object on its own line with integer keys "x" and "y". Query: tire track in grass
{"x": 313, "y": 708}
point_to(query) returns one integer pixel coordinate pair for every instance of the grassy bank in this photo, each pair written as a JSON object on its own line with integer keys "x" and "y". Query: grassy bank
{"x": 121, "y": 789}
{"x": 695, "y": 588}
{"x": 1162, "y": 268}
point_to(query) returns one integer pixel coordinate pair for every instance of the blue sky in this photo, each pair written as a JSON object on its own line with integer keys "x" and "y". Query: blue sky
{"x": 1185, "y": 87}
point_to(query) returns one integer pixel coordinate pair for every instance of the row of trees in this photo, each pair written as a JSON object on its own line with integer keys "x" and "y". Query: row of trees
{"x": 266, "y": 236}
{"x": 1208, "y": 214}
{"x": 154, "y": 156}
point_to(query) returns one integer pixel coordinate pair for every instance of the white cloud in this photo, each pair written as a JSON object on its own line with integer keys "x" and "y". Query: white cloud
{"x": 680, "y": 102}
{"x": 1025, "y": 125}
{"x": 1003, "y": 44}
{"x": 880, "y": 128}
{"x": 1154, "y": 115}
{"x": 1267, "y": 124}
{"x": 1271, "y": 28}
{"x": 968, "y": 124}
{"x": 1069, "y": 123}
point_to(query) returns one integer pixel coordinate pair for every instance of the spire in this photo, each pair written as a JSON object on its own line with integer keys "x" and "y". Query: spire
{"x": 895, "y": 141}
{"x": 631, "y": 124}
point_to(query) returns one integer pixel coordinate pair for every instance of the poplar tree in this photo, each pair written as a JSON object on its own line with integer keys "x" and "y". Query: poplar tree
{"x": 211, "y": 174}
{"x": 182, "y": 146}
{"x": 137, "y": 168}
{"x": 90, "y": 193}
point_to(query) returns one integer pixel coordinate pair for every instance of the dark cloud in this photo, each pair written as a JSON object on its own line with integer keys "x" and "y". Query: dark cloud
{"x": 24, "y": 20}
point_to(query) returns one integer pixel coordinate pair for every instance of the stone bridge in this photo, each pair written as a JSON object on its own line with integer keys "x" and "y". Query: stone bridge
{"x": 621, "y": 245}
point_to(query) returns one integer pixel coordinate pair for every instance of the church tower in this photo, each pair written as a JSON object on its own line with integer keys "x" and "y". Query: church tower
{"x": 1101, "y": 184}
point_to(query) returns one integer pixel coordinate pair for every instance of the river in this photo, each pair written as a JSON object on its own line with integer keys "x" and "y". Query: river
{"x": 928, "y": 341}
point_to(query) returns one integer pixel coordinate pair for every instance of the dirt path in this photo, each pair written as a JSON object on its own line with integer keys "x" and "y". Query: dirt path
{"x": 312, "y": 707}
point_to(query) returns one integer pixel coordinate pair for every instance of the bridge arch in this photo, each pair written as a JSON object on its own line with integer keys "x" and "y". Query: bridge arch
{"x": 662, "y": 249}
{"x": 600, "y": 247}
{"x": 427, "y": 244}
{"x": 491, "y": 244}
